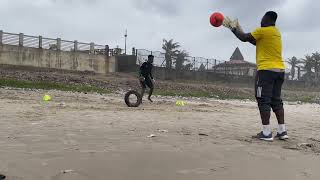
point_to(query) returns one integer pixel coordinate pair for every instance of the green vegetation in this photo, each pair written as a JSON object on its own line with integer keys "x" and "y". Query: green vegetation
{"x": 291, "y": 96}
{"x": 206, "y": 94}
{"x": 219, "y": 93}
{"x": 50, "y": 86}
{"x": 302, "y": 96}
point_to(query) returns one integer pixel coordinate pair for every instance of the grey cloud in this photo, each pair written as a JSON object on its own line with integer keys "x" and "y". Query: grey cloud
{"x": 75, "y": 1}
{"x": 149, "y": 21}
{"x": 164, "y": 7}
{"x": 301, "y": 18}
{"x": 249, "y": 12}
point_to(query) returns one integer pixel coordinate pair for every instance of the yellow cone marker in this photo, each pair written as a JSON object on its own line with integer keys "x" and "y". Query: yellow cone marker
{"x": 47, "y": 97}
{"x": 180, "y": 103}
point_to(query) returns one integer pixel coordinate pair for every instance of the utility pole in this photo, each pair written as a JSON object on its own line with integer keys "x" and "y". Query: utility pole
{"x": 125, "y": 42}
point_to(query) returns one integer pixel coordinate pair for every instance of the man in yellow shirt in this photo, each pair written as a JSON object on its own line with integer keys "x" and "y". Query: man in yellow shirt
{"x": 270, "y": 74}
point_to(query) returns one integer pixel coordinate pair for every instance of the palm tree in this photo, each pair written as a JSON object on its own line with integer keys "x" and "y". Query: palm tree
{"x": 316, "y": 65}
{"x": 171, "y": 51}
{"x": 293, "y": 63}
{"x": 181, "y": 58}
{"x": 307, "y": 67}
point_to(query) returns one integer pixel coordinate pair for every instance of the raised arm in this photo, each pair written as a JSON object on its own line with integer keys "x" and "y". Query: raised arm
{"x": 244, "y": 37}
{"x": 235, "y": 27}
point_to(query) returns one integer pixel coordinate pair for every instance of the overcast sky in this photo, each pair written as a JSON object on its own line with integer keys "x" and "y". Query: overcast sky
{"x": 149, "y": 21}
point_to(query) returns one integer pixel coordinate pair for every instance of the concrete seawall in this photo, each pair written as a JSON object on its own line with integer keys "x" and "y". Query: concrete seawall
{"x": 76, "y": 61}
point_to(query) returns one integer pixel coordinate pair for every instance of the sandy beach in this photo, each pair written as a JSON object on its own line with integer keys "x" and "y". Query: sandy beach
{"x": 91, "y": 136}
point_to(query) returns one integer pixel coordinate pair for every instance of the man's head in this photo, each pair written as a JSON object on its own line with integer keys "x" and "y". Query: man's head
{"x": 150, "y": 58}
{"x": 269, "y": 19}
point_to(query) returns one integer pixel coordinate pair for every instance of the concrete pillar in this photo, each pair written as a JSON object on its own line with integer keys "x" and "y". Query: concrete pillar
{"x": 75, "y": 45}
{"x": 40, "y": 42}
{"x": 91, "y": 48}
{"x": 112, "y": 52}
{"x": 1, "y": 36}
{"x": 133, "y": 51}
{"x": 21, "y": 39}
{"x": 59, "y": 44}
{"x": 107, "y": 50}
{"x": 194, "y": 63}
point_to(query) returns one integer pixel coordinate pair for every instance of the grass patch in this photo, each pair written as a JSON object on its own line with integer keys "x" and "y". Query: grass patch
{"x": 50, "y": 86}
{"x": 182, "y": 93}
{"x": 303, "y": 96}
{"x": 287, "y": 96}
{"x": 201, "y": 93}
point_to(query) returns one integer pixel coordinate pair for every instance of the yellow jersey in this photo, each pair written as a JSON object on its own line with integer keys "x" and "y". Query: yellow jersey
{"x": 269, "y": 48}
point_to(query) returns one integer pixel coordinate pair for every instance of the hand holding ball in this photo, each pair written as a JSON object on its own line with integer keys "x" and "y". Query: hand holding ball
{"x": 217, "y": 19}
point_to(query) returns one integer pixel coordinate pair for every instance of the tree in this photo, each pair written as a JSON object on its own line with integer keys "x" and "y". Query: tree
{"x": 117, "y": 50}
{"x": 316, "y": 65}
{"x": 53, "y": 46}
{"x": 307, "y": 67}
{"x": 187, "y": 67}
{"x": 171, "y": 51}
{"x": 293, "y": 63}
{"x": 181, "y": 58}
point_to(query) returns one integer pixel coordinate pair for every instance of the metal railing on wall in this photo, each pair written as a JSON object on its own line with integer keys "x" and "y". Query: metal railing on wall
{"x": 53, "y": 44}
{"x": 9, "y": 38}
{"x": 190, "y": 63}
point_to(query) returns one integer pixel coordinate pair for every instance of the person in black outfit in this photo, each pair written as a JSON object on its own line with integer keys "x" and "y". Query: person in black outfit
{"x": 146, "y": 78}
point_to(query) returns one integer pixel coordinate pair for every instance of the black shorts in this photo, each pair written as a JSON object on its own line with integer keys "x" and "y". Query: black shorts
{"x": 147, "y": 82}
{"x": 268, "y": 90}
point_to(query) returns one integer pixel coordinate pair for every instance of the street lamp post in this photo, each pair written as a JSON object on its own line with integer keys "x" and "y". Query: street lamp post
{"x": 125, "y": 42}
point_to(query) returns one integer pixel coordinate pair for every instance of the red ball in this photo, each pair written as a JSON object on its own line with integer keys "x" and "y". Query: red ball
{"x": 216, "y": 19}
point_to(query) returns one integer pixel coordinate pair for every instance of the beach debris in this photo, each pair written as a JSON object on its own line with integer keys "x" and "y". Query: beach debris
{"x": 67, "y": 171}
{"x": 163, "y": 131}
{"x": 151, "y": 136}
{"x": 203, "y": 134}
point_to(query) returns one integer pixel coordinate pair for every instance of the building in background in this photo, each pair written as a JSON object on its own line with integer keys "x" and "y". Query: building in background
{"x": 236, "y": 66}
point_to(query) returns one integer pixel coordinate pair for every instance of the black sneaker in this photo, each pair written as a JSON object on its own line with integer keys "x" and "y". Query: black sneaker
{"x": 282, "y": 136}
{"x": 261, "y": 136}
